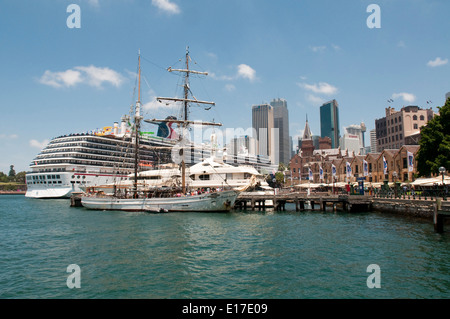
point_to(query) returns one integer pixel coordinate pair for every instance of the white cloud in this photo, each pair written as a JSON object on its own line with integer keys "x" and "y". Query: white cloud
{"x": 315, "y": 99}
{"x": 401, "y": 44}
{"x": 166, "y": 6}
{"x": 96, "y": 76}
{"x": 321, "y": 88}
{"x": 243, "y": 71}
{"x": 222, "y": 77}
{"x": 407, "y": 97}
{"x": 437, "y": 62}
{"x": 320, "y": 48}
{"x": 39, "y": 145}
{"x": 91, "y": 75}
{"x": 336, "y": 47}
{"x": 58, "y": 79}
{"x": 246, "y": 72}
{"x": 154, "y": 104}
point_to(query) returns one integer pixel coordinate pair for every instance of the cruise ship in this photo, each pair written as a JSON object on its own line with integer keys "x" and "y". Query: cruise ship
{"x": 70, "y": 163}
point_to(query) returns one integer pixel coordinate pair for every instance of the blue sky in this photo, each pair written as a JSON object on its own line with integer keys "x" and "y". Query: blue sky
{"x": 57, "y": 80}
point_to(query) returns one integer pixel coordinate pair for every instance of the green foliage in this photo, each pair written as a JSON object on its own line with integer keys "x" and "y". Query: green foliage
{"x": 4, "y": 178}
{"x": 20, "y": 177}
{"x": 12, "y": 172}
{"x": 13, "y": 178}
{"x": 434, "y": 143}
{"x": 279, "y": 176}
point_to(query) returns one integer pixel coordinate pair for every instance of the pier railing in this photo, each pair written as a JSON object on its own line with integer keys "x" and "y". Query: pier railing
{"x": 425, "y": 194}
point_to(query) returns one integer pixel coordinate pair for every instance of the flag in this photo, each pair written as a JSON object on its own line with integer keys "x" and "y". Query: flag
{"x": 365, "y": 168}
{"x": 333, "y": 170}
{"x": 410, "y": 161}
{"x": 310, "y": 174}
{"x": 320, "y": 173}
{"x": 384, "y": 166}
{"x": 349, "y": 170}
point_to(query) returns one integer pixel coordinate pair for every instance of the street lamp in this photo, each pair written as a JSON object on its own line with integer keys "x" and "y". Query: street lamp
{"x": 394, "y": 175}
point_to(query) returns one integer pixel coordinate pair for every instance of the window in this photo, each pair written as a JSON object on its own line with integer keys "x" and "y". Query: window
{"x": 204, "y": 177}
{"x": 415, "y": 117}
{"x": 395, "y": 120}
{"x": 422, "y": 118}
{"x": 416, "y": 126}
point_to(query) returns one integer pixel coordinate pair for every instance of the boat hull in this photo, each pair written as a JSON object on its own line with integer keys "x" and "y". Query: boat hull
{"x": 211, "y": 202}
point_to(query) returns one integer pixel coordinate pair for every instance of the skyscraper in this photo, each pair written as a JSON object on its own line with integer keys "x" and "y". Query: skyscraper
{"x": 263, "y": 125}
{"x": 281, "y": 122}
{"x": 329, "y": 122}
{"x": 373, "y": 141}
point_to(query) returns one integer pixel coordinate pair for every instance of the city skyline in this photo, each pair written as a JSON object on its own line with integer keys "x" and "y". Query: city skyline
{"x": 59, "y": 80}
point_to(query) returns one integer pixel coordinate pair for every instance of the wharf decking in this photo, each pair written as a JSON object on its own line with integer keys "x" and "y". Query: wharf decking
{"x": 437, "y": 209}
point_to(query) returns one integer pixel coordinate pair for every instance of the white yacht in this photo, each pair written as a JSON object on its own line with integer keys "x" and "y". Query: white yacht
{"x": 211, "y": 173}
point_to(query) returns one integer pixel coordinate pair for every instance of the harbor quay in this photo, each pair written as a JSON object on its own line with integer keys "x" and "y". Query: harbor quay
{"x": 434, "y": 209}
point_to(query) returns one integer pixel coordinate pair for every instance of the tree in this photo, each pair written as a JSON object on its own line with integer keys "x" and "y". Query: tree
{"x": 279, "y": 176}
{"x": 3, "y": 178}
{"x": 20, "y": 177}
{"x": 12, "y": 172}
{"x": 434, "y": 143}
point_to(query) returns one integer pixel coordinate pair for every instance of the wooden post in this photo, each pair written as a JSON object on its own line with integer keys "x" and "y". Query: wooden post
{"x": 302, "y": 205}
{"x": 296, "y": 204}
{"x": 323, "y": 204}
{"x": 438, "y": 220}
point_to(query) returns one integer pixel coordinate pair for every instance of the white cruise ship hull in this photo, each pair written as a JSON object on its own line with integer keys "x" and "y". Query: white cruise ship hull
{"x": 64, "y": 184}
{"x": 211, "y": 202}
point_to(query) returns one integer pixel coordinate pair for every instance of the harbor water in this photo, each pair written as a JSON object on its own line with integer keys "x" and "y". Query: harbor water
{"x": 252, "y": 254}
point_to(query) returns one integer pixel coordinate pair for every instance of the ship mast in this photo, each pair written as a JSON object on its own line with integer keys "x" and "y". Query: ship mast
{"x": 137, "y": 122}
{"x": 186, "y": 102}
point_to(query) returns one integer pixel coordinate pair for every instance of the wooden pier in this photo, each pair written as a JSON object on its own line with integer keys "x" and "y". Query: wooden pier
{"x": 304, "y": 202}
{"x": 438, "y": 210}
